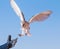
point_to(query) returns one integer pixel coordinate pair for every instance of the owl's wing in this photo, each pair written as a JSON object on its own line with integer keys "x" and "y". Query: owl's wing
{"x": 17, "y": 10}
{"x": 41, "y": 16}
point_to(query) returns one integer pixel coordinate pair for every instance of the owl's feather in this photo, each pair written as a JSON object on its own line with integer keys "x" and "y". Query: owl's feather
{"x": 17, "y": 10}
{"x": 40, "y": 17}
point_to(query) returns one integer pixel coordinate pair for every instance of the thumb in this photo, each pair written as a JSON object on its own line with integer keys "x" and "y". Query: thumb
{"x": 9, "y": 38}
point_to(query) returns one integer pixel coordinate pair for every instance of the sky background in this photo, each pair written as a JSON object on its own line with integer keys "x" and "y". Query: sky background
{"x": 45, "y": 35}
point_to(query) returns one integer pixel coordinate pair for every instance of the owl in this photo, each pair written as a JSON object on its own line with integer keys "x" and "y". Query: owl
{"x": 25, "y": 24}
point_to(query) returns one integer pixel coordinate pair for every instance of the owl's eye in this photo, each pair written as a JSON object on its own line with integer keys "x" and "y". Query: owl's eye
{"x": 23, "y": 25}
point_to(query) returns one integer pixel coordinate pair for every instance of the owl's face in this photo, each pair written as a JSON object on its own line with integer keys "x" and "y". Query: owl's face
{"x": 25, "y": 25}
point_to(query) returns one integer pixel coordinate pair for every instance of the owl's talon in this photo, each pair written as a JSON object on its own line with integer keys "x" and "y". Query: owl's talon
{"x": 21, "y": 35}
{"x": 28, "y": 34}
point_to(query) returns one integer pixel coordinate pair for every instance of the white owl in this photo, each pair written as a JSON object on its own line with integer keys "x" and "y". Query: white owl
{"x": 24, "y": 24}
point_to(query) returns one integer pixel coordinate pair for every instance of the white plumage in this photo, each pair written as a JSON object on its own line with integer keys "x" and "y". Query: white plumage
{"x": 24, "y": 24}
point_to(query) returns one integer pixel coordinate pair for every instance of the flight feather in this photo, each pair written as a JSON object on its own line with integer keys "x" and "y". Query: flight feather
{"x": 40, "y": 17}
{"x": 17, "y": 10}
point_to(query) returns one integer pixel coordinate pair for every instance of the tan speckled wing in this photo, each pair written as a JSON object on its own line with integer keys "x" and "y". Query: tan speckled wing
{"x": 40, "y": 17}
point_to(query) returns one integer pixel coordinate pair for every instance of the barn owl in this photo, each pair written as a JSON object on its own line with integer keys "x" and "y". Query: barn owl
{"x": 24, "y": 24}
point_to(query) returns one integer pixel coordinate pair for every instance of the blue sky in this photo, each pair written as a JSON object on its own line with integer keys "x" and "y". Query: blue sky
{"x": 45, "y": 35}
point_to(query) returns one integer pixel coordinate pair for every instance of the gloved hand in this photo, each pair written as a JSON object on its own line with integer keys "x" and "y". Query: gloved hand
{"x": 11, "y": 43}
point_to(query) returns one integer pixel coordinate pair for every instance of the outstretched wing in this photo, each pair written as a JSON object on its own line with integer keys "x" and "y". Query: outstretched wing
{"x": 41, "y": 16}
{"x": 17, "y": 10}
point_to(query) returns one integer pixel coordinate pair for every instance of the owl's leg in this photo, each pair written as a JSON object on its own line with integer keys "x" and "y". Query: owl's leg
{"x": 27, "y": 33}
{"x": 22, "y": 29}
{"x": 22, "y": 34}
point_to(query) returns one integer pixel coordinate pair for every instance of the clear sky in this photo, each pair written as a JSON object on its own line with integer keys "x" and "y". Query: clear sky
{"x": 45, "y": 35}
